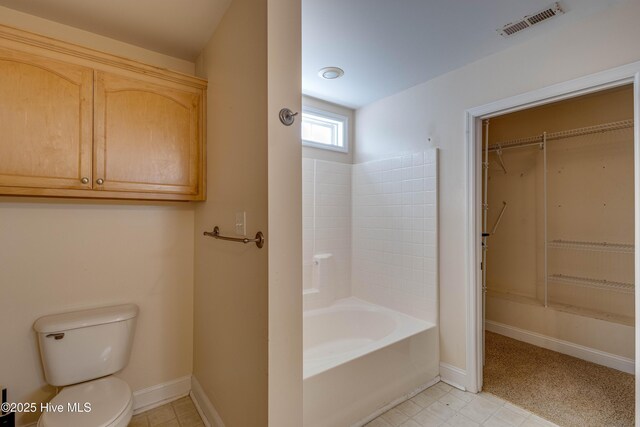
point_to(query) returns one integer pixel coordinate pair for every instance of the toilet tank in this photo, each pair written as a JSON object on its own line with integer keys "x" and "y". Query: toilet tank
{"x": 85, "y": 345}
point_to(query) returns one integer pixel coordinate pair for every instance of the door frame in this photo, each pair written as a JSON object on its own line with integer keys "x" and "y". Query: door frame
{"x": 619, "y": 76}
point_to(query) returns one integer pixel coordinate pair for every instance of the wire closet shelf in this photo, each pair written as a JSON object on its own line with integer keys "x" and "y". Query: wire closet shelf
{"x": 588, "y": 282}
{"x": 540, "y": 139}
{"x": 626, "y": 248}
{"x": 622, "y": 248}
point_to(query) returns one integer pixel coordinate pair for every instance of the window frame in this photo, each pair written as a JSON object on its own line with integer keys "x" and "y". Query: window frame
{"x": 329, "y": 115}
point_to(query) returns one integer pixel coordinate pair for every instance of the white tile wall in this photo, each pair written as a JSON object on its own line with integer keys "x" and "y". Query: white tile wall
{"x": 308, "y": 233}
{"x": 326, "y": 211}
{"x": 394, "y": 229}
{"x": 378, "y": 220}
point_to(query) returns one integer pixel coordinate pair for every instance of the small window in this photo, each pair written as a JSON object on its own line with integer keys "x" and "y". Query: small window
{"x": 322, "y": 129}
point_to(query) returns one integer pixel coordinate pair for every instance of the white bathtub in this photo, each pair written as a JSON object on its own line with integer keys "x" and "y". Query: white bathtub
{"x": 359, "y": 357}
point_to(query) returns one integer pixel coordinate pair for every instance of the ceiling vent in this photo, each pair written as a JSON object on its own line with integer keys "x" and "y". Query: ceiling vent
{"x": 530, "y": 20}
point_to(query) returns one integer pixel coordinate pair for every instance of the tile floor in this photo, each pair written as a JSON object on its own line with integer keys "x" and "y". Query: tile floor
{"x": 443, "y": 405}
{"x": 439, "y": 405}
{"x": 179, "y": 413}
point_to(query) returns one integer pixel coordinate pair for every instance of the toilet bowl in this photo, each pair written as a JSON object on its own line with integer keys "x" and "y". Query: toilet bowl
{"x": 110, "y": 405}
{"x": 80, "y": 351}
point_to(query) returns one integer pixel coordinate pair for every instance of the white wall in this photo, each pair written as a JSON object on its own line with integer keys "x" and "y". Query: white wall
{"x": 58, "y": 255}
{"x": 308, "y": 220}
{"x": 326, "y": 212}
{"x": 372, "y": 228}
{"x": 395, "y": 235}
{"x": 401, "y": 124}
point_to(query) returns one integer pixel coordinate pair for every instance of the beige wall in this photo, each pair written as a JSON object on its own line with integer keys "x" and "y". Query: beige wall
{"x": 331, "y": 156}
{"x": 248, "y": 301}
{"x": 144, "y": 253}
{"x": 437, "y": 109}
{"x": 609, "y": 337}
{"x": 59, "y": 256}
{"x": 38, "y": 25}
{"x": 285, "y": 215}
{"x": 231, "y": 280}
{"x": 590, "y": 198}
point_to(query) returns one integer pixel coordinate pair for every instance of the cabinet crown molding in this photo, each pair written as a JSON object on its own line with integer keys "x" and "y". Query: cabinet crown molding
{"x": 81, "y": 123}
{"x": 97, "y": 57}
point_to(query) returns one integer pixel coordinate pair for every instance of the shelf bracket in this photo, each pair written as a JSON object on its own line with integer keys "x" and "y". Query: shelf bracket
{"x": 500, "y": 160}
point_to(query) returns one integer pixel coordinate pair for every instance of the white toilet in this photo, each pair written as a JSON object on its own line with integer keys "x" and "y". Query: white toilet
{"x": 80, "y": 351}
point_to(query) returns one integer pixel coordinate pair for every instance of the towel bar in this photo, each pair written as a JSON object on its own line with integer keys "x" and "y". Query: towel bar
{"x": 258, "y": 240}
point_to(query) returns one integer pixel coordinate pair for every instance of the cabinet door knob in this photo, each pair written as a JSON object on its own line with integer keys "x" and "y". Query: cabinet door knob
{"x": 84, "y": 180}
{"x": 99, "y": 181}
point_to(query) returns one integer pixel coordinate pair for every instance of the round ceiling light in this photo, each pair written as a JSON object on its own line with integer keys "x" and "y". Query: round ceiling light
{"x": 331, "y": 73}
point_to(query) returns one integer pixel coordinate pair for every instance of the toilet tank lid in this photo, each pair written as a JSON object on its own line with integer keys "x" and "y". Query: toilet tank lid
{"x": 85, "y": 318}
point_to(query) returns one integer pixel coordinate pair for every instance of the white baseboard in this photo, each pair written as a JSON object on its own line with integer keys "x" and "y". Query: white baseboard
{"x": 396, "y": 402}
{"x": 157, "y": 395}
{"x": 614, "y": 361}
{"x": 453, "y": 376}
{"x": 205, "y": 408}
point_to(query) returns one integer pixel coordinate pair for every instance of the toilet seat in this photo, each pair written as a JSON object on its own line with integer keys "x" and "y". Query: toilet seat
{"x": 111, "y": 405}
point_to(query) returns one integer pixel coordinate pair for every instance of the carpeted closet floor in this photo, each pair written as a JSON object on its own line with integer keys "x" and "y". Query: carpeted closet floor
{"x": 568, "y": 391}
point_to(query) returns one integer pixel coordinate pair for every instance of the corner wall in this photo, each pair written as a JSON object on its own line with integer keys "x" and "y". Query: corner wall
{"x": 395, "y": 238}
{"x": 231, "y": 279}
{"x": 589, "y": 192}
{"x": 589, "y": 188}
{"x": 285, "y": 214}
{"x": 437, "y": 109}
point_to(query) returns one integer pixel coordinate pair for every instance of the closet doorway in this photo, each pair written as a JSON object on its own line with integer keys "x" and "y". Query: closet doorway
{"x": 558, "y": 239}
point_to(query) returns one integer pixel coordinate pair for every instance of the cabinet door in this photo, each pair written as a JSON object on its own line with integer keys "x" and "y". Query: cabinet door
{"x": 45, "y": 122}
{"x": 147, "y": 137}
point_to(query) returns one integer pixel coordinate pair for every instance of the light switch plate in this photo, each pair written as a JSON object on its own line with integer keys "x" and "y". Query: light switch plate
{"x": 241, "y": 223}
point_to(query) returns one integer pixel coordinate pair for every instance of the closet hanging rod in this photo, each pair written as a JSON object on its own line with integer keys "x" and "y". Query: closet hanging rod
{"x": 538, "y": 139}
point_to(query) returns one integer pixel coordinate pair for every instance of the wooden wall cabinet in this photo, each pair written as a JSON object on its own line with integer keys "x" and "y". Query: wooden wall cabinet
{"x": 46, "y": 112}
{"x": 146, "y": 136}
{"x": 80, "y": 123}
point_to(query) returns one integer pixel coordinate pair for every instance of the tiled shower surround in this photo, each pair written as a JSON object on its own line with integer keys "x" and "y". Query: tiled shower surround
{"x": 394, "y": 233}
{"x": 378, "y": 220}
{"x": 326, "y": 211}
